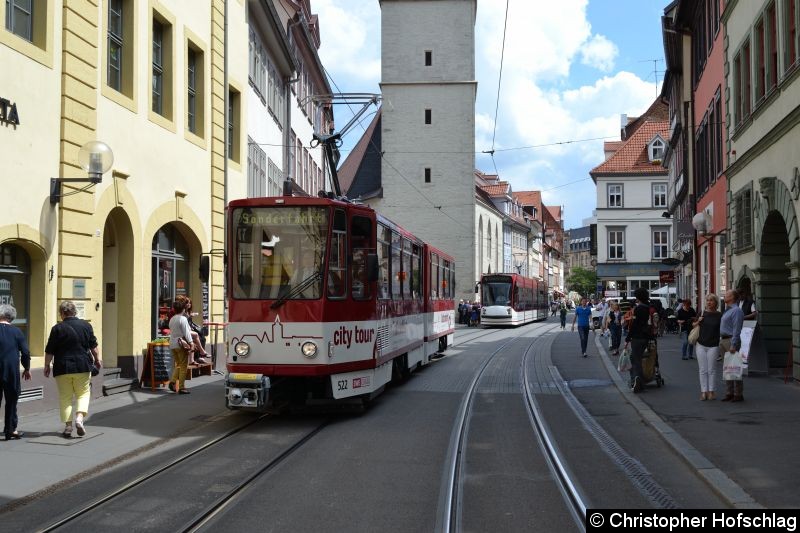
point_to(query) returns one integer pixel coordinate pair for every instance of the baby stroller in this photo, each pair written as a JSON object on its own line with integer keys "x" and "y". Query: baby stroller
{"x": 650, "y": 368}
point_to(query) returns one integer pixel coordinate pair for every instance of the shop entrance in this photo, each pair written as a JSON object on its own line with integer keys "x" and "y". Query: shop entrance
{"x": 170, "y": 274}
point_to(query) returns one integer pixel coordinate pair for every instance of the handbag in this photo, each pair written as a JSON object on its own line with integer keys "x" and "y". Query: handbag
{"x": 624, "y": 362}
{"x": 694, "y": 334}
{"x": 732, "y": 367}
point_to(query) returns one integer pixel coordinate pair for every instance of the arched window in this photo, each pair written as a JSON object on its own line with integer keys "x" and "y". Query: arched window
{"x": 481, "y": 246}
{"x": 657, "y": 149}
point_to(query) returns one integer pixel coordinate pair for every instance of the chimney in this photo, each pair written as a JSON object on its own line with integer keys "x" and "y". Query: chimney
{"x": 623, "y": 121}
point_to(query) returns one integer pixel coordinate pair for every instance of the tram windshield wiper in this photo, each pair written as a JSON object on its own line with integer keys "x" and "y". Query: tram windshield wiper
{"x": 300, "y": 287}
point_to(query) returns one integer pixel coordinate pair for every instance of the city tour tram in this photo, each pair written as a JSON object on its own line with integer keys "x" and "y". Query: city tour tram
{"x": 512, "y": 300}
{"x": 328, "y": 301}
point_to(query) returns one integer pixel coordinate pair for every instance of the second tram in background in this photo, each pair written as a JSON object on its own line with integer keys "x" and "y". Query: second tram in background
{"x": 512, "y": 300}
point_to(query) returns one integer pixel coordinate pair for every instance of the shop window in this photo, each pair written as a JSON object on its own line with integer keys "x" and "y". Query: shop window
{"x": 15, "y": 269}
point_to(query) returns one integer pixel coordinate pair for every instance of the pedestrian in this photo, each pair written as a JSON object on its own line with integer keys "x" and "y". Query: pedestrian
{"x": 460, "y": 311}
{"x": 708, "y": 346}
{"x": 196, "y": 356}
{"x": 72, "y": 348}
{"x": 685, "y": 317}
{"x": 583, "y": 316}
{"x": 747, "y": 304}
{"x": 730, "y": 329}
{"x": 563, "y": 314}
{"x": 13, "y": 350}
{"x": 639, "y": 334}
{"x": 180, "y": 342}
{"x": 613, "y": 324}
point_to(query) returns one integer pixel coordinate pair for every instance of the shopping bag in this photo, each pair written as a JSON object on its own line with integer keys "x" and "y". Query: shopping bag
{"x": 732, "y": 366}
{"x": 624, "y": 362}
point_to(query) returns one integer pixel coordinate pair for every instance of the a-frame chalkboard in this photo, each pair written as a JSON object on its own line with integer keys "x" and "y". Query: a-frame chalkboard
{"x": 157, "y": 366}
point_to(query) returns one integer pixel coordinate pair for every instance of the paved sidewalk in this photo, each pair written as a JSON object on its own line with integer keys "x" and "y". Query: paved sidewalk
{"x": 746, "y": 451}
{"x": 118, "y": 427}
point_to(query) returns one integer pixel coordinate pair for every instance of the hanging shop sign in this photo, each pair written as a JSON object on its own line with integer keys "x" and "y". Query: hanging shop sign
{"x": 8, "y": 112}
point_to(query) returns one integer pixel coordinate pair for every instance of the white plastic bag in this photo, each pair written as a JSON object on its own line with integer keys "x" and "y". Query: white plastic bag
{"x": 732, "y": 366}
{"x": 624, "y": 362}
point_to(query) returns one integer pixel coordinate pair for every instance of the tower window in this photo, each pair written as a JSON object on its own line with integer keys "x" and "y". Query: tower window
{"x": 428, "y": 58}
{"x": 427, "y": 116}
{"x": 427, "y": 175}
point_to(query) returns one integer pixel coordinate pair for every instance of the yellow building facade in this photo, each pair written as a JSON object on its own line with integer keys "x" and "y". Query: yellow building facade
{"x": 146, "y": 77}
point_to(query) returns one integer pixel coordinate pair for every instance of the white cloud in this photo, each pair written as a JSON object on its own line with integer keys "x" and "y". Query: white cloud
{"x": 600, "y": 53}
{"x": 350, "y": 35}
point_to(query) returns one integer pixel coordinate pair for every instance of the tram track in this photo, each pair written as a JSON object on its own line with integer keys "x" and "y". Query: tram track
{"x": 102, "y": 506}
{"x": 449, "y": 518}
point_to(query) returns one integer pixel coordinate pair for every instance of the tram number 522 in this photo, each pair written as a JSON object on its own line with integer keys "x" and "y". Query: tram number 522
{"x": 342, "y": 384}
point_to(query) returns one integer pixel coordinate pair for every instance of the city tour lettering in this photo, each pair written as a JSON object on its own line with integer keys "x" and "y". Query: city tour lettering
{"x": 345, "y": 336}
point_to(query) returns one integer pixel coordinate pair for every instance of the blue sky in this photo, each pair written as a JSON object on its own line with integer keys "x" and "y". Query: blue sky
{"x": 593, "y": 62}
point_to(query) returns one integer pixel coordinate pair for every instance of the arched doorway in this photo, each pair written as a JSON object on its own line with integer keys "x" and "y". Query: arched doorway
{"x": 118, "y": 263}
{"x": 173, "y": 272}
{"x": 775, "y": 313}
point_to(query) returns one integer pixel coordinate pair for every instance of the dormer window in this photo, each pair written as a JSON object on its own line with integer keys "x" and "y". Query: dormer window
{"x": 656, "y": 149}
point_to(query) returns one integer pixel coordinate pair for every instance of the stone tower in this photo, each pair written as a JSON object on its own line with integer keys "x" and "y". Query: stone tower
{"x": 428, "y": 125}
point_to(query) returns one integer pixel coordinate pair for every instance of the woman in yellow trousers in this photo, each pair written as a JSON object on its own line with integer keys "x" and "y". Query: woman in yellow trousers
{"x": 72, "y": 348}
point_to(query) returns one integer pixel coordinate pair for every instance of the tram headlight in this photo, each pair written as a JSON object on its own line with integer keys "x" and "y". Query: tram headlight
{"x": 235, "y": 396}
{"x": 242, "y": 349}
{"x": 309, "y": 349}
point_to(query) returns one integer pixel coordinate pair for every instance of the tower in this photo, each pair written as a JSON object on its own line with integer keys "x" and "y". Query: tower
{"x": 428, "y": 125}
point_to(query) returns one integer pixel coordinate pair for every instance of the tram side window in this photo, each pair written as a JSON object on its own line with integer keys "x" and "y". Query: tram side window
{"x": 445, "y": 276}
{"x": 384, "y": 273}
{"x": 397, "y": 267}
{"x": 405, "y": 278}
{"x": 361, "y": 230}
{"x": 337, "y": 265}
{"x": 416, "y": 293}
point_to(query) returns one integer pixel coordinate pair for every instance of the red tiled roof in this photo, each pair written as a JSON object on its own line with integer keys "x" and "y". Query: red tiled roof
{"x": 658, "y": 111}
{"x": 555, "y": 211}
{"x": 533, "y": 198}
{"x": 632, "y": 157}
{"x": 499, "y": 189}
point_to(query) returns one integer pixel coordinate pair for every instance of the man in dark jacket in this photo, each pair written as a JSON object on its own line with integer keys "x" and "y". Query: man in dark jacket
{"x": 639, "y": 334}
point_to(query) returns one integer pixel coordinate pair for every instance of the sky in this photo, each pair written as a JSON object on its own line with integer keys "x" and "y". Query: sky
{"x": 570, "y": 68}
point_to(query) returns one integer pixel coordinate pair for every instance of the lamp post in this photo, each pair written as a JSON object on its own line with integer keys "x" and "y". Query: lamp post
{"x": 96, "y": 158}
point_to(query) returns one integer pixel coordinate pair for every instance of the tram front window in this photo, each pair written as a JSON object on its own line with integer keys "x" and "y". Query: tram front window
{"x": 496, "y": 293}
{"x": 279, "y": 252}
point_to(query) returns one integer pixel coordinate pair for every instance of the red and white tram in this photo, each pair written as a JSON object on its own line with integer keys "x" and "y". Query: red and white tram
{"x": 512, "y": 300}
{"x": 328, "y": 300}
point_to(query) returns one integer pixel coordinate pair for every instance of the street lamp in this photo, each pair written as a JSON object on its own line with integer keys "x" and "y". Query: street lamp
{"x": 95, "y": 158}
